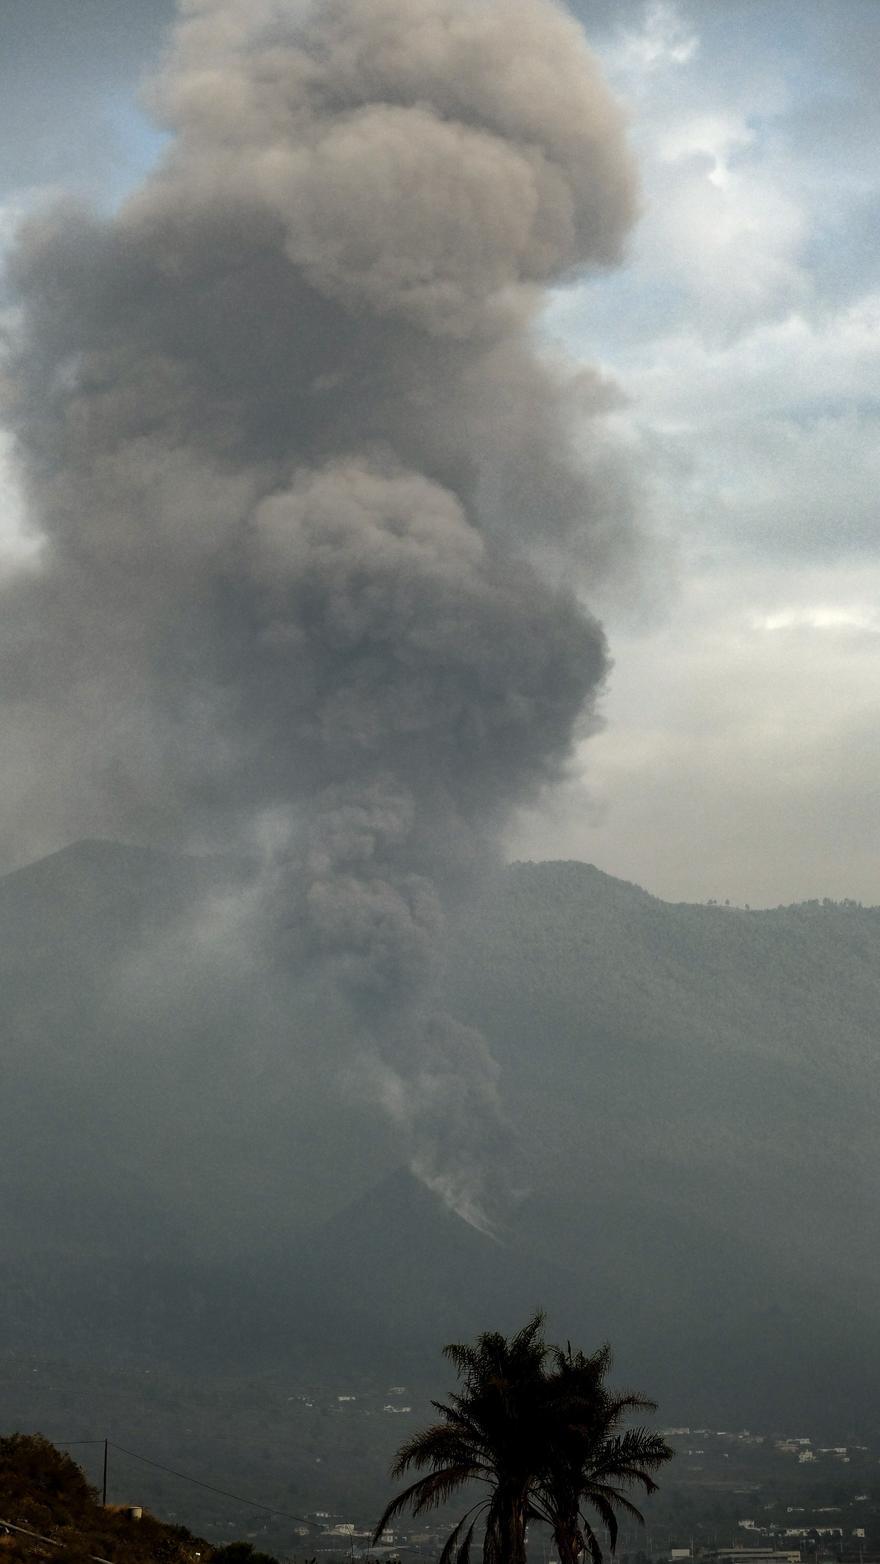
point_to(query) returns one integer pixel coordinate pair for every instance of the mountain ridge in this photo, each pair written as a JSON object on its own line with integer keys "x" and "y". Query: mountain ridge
{"x": 693, "y": 1094}
{"x": 98, "y": 848}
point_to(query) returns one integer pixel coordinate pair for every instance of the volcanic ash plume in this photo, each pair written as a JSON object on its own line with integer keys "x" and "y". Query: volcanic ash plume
{"x": 305, "y": 486}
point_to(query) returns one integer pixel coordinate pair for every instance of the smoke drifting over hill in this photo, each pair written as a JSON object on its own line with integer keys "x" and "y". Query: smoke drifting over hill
{"x": 306, "y": 489}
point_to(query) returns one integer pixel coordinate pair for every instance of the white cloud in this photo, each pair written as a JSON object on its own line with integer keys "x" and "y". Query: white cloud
{"x": 772, "y": 442}
{"x": 857, "y": 617}
{"x": 711, "y": 135}
{"x": 742, "y": 749}
{"x": 778, "y": 368}
{"x": 727, "y": 235}
{"x": 726, "y": 214}
{"x": 660, "y": 40}
{"x": 740, "y": 755}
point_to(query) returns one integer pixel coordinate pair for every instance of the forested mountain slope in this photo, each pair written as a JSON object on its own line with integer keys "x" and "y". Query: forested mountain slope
{"x": 699, "y": 1087}
{"x": 693, "y": 1095}
{"x": 597, "y": 954}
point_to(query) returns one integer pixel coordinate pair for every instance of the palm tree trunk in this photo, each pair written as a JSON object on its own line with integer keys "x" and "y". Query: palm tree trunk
{"x": 569, "y": 1544}
{"x": 508, "y": 1544}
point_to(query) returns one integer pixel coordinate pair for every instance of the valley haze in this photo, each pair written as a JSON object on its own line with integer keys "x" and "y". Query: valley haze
{"x": 321, "y": 524}
{"x": 693, "y": 1090}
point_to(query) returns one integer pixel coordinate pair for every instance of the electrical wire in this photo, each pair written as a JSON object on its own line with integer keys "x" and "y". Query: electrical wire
{"x": 54, "y": 1541}
{"x": 224, "y": 1492}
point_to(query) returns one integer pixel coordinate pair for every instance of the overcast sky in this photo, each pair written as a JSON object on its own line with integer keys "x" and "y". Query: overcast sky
{"x": 740, "y": 753}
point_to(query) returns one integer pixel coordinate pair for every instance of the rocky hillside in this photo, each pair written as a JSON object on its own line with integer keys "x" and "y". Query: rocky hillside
{"x": 49, "y": 1511}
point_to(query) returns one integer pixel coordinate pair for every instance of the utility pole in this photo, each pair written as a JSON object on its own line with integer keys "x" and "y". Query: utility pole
{"x": 104, "y": 1485}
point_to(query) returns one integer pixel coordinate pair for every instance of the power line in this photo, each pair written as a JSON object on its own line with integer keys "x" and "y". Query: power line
{"x": 105, "y": 1443}
{"x": 185, "y": 1477}
{"x": 224, "y": 1492}
{"x": 54, "y": 1541}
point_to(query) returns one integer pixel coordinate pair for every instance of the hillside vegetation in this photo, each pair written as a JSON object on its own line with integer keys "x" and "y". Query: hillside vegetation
{"x": 44, "y": 1492}
{"x": 693, "y": 1093}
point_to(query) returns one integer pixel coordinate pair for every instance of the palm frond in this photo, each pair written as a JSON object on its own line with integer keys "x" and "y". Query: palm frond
{"x": 425, "y": 1494}
{"x": 603, "y": 1507}
{"x": 619, "y": 1500}
{"x": 592, "y": 1541}
{"x": 539, "y": 1509}
{"x": 462, "y": 1357}
{"x": 452, "y": 1552}
{"x": 439, "y": 1487}
{"x": 632, "y": 1401}
{"x": 460, "y": 1417}
{"x": 464, "y": 1553}
{"x": 437, "y": 1446}
{"x": 632, "y": 1455}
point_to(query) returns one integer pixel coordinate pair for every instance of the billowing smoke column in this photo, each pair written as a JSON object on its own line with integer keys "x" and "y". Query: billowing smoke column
{"x": 306, "y": 485}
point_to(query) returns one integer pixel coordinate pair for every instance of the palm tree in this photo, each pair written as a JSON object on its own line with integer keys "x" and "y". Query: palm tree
{"x": 589, "y": 1462}
{"x": 543, "y": 1445}
{"x": 487, "y": 1434}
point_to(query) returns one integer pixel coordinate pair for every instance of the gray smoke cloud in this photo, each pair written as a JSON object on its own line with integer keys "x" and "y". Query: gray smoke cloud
{"x": 307, "y": 491}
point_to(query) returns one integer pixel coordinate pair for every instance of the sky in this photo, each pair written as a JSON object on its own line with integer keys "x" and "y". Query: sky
{"x": 739, "y": 753}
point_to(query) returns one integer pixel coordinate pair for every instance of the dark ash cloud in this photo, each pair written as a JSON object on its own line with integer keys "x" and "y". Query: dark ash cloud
{"x": 306, "y": 488}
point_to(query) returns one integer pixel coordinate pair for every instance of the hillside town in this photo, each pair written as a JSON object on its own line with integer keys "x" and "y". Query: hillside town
{"x": 731, "y": 1497}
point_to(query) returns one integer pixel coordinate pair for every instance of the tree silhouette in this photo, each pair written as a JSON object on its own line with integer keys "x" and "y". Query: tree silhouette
{"x": 538, "y": 1429}
{"x": 590, "y": 1461}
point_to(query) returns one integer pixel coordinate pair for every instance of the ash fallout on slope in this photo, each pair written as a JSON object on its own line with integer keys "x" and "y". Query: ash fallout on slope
{"x": 307, "y": 491}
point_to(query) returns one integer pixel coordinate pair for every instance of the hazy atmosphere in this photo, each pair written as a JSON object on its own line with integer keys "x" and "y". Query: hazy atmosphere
{"x": 732, "y": 428}
{"x": 439, "y": 569}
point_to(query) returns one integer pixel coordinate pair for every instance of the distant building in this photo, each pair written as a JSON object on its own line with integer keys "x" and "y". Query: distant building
{"x": 756, "y": 1556}
{"x": 814, "y": 1531}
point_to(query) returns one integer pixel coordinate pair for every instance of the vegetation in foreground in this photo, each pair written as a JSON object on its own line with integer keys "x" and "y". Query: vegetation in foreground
{"x": 533, "y": 1424}
{"x": 537, "y": 1427}
{"x": 46, "y": 1494}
